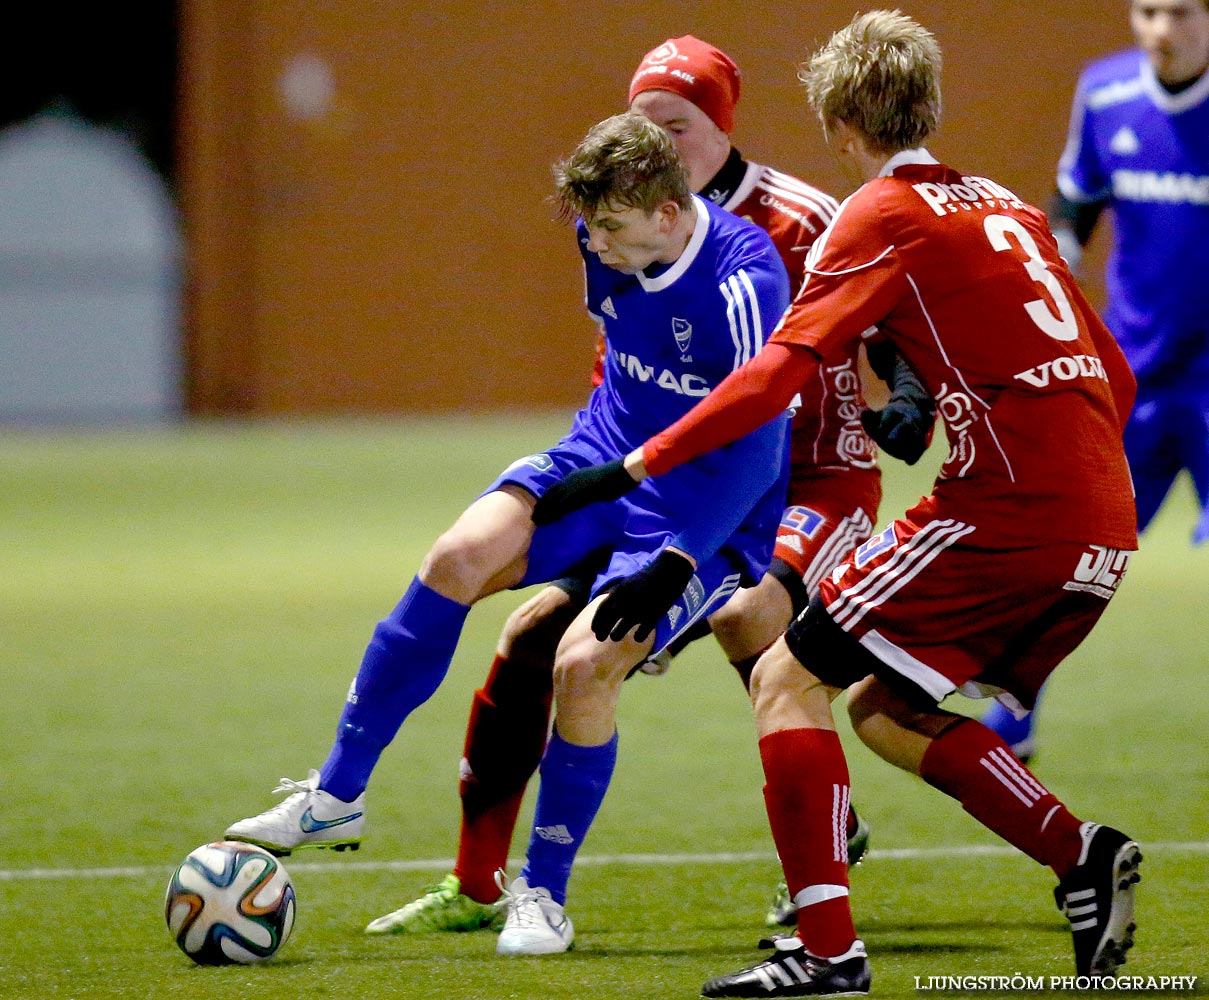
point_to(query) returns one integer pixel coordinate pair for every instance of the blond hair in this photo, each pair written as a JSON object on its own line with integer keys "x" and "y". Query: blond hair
{"x": 880, "y": 75}
{"x": 623, "y": 162}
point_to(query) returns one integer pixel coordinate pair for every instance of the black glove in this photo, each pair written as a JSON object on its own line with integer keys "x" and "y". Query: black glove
{"x": 642, "y": 599}
{"x": 903, "y": 427}
{"x": 582, "y": 487}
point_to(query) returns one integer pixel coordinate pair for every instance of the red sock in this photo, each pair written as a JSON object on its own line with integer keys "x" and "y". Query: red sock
{"x": 807, "y": 798}
{"x": 505, "y": 737}
{"x": 973, "y": 765}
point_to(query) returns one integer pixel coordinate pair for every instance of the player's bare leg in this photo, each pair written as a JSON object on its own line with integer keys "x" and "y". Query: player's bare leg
{"x": 575, "y": 774}
{"x": 891, "y": 728}
{"x": 745, "y": 627}
{"x": 1096, "y": 865}
{"x": 588, "y": 675}
{"x": 404, "y": 663}
{"x": 485, "y": 551}
{"x": 806, "y": 794}
{"x": 750, "y": 621}
{"x": 505, "y": 737}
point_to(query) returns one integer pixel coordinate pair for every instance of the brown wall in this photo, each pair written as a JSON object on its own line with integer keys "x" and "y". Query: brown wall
{"x": 391, "y": 251}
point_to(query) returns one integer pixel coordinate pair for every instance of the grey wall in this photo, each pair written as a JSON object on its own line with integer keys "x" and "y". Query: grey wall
{"x": 89, "y": 278}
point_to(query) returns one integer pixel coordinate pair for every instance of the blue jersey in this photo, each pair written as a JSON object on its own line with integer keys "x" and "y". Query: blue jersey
{"x": 1146, "y": 152}
{"x": 673, "y": 333}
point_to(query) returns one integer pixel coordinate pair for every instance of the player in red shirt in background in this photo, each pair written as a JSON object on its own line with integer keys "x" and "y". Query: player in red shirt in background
{"x": 985, "y": 585}
{"x": 689, "y": 88}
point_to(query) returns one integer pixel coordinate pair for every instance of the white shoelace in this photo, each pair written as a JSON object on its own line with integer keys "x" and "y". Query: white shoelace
{"x": 524, "y": 907}
{"x": 289, "y": 786}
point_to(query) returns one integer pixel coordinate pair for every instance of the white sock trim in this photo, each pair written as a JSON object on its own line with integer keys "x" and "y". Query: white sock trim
{"x": 818, "y": 894}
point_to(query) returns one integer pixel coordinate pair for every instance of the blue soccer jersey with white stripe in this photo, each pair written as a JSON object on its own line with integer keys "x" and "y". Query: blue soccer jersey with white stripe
{"x": 1146, "y": 152}
{"x": 673, "y": 333}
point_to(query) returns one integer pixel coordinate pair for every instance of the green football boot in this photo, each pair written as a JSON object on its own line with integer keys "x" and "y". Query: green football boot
{"x": 441, "y": 908}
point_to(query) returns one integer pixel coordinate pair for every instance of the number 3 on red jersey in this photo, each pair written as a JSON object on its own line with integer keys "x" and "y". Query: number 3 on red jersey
{"x": 1060, "y": 327}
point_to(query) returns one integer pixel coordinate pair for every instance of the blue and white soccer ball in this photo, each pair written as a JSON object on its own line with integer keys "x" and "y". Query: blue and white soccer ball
{"x": 230, "y": 902}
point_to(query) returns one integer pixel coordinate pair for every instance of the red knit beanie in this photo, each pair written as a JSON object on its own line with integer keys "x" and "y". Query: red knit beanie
{"x": 695, "y": 70}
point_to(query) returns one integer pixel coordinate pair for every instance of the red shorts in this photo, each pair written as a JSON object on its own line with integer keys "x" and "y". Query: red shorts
{"x": 945, "y": 614}
{"x": 828, "y": 514}
{"x": 812, "y": 540}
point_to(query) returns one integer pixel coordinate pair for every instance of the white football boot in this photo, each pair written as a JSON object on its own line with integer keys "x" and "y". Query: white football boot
{"x": 308, "y": 817}
{"x": 535, "y": 924}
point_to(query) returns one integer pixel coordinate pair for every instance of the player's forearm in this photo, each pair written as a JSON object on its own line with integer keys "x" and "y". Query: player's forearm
{"x": 746, "y": 400}
{"x": 882, "y": 355}
{"x": 1079, "y": 216}
{"x": 1073, "y": 223}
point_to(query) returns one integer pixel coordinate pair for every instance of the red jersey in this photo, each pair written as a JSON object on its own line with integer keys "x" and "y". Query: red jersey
{"x": 828, "y": 438}
{"x": 792, "y": 212}
{"x": 967, "y": 282}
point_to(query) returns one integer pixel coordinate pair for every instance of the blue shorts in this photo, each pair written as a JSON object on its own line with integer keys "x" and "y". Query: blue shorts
{"x": 635, "y": 529}
{"x": 1167, "y": 432}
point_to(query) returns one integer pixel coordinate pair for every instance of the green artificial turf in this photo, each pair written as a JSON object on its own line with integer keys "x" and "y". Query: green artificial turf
{"x": 181, "y": 612}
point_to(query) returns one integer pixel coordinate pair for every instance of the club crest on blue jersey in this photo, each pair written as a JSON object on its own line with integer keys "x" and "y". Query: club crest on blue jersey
{"x": 682, "y": 330}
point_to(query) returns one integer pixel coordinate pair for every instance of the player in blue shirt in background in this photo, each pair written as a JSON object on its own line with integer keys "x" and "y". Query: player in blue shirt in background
{"x": 1139, "y": 145}
{"x": 686, "y": 292}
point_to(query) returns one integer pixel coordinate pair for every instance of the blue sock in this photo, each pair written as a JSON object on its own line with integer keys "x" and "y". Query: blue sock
{"x": 1016, "y": 733}
{"x": 574, "y": 780}
{"x": 1200, "y": 534}
{"x": 404, "y": 664}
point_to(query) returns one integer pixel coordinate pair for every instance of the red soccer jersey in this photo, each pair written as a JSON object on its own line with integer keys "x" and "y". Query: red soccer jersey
{"x": 828, "y": 438}
{"x": 966, "y": 280}
{"x": 792, "y": 212}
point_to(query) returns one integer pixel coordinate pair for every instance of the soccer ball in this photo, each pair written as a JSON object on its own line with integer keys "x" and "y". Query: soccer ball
{"x": 230, "y": 902}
